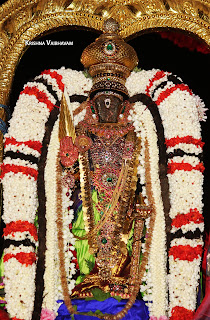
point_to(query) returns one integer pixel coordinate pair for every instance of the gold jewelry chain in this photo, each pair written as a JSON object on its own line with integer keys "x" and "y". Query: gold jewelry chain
{"x": 110, "y": 209}
{"x": 116, "y": 194}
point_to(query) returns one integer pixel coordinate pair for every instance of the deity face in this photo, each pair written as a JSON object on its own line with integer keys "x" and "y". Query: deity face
{"x": 108, "y": 107}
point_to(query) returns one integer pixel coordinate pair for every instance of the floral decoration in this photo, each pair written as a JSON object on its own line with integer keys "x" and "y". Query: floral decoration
{"x": 47, "y": 315}
{"x": 180, "y": 112}
{"x": 157, "y": 291}
{"x": 24, "y": 141}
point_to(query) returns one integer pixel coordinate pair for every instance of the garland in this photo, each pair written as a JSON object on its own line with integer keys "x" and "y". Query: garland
{"x": 25, "y": 136}
{"x": 180, "y": 111}
{"x": 52, "y": 292}
{"x": 157, "y": 265}
{"x": 178, "y": 106}
{"x": 40, "y": 268}
{"x": 188, "y": 193}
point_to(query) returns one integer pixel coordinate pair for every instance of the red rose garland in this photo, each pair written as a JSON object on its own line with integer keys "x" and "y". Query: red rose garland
{"x": 41, "y": 96}
{"x": 187, "y": 139}
{"x": 6, "y": 168}
{"x": 55, "y": 75}
{"x": 165, "y": 94}
{"x": 35, "y": 145}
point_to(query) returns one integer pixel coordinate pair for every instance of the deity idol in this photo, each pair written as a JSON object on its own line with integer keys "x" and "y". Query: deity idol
{"x": 114, "y": 160}
{"x": 108, "y": 227}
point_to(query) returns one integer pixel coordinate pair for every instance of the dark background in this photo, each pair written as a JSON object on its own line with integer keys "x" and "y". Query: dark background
{"x": 153, "y": 51}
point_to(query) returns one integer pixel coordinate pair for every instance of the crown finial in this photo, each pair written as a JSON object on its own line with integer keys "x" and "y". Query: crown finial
{"x": 109, "y": 60}
{"x": 110, "y": 26}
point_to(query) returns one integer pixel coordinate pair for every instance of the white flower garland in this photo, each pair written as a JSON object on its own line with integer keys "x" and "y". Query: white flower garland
{"x": 51, "y": 233}
{"x": 143, "y": 121}
{"x": 180, "y": 112}
{"x": 20, "y": 203}
{"x": 180, "y": 109}
{"x": 19, "y": 288}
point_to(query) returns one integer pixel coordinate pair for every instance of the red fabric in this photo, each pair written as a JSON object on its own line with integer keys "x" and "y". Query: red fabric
{"x": 184, "y": 41}
{"x": 203, "y": 311}
{"x": 3, "y": 315}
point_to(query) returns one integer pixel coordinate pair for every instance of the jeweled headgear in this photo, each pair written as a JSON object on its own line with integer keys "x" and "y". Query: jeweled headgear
{"x": 109, "y": 60}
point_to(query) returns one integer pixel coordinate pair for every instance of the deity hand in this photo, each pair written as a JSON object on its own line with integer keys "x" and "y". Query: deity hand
{"x": 68, "y": 152}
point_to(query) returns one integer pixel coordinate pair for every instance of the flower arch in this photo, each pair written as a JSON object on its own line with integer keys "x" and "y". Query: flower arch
{"x": 31, "y": 19}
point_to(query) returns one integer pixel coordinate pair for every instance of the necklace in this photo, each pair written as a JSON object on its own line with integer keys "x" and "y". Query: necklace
{"x": 117, "y": 184}
{"x": 125, "y": 183}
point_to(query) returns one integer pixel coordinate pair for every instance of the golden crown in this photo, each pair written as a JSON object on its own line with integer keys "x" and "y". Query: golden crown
{"x": 109, "y": 59}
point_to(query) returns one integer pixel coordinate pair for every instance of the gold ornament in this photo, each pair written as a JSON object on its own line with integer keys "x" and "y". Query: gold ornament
{"x": 22, "y": 21}
{"x": 109, "y": 59}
